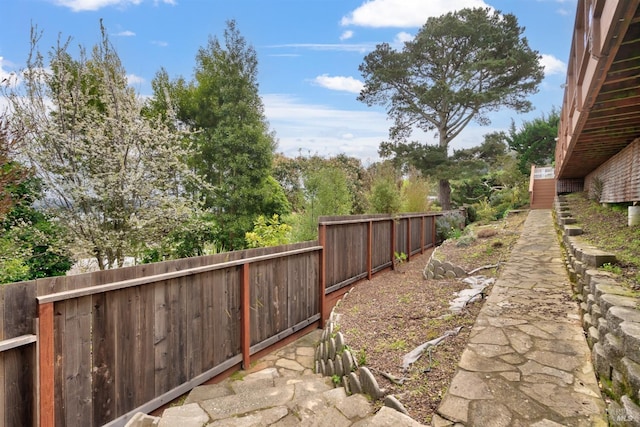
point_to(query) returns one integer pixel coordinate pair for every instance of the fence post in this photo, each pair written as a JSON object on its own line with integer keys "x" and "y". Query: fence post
{"x": 422, "y": 220}
{"x": 393, "y": 244}
{"x": 246, "y": 318}
{"x": 46, "y": 358}
{"x": 322, "y": 240}
{"x": 408, "y": 239}
{"x": 434, "y": 231}
{"x": 369, "y": 250}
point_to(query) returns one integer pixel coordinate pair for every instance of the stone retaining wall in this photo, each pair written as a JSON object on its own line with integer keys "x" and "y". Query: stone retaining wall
{"x": 610, "y": 317}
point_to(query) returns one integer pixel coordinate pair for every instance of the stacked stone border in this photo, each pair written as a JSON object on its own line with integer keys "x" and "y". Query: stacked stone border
{"x": 333, "y": 358}
{"x": 610, "y": 318}
{"x": 436, "y": 269}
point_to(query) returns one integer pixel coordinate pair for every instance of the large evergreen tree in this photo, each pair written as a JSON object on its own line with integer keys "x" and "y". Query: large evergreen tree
{"x": 459, "y": 67}
{"x": 233, "y": 147}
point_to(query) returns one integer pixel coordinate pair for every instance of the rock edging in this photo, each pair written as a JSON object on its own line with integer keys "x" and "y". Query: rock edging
{"x": 436, "y": 269}
{"x": 333, "y": 358}
{"x": 610, "y": 318}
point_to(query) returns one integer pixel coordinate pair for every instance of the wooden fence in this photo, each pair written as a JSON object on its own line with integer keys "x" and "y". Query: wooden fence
{"x": 95, "y": 348}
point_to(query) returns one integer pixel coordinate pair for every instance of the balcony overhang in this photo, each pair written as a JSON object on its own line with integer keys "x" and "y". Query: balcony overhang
{"x": 601, "y": 108}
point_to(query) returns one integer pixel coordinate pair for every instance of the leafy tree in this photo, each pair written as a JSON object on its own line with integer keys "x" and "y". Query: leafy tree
{"x": 415, "y": 193}
{"x": 32, "y": 245}
{"x": 384, "y": 196}
{"x": 114, "y": 177}
{"x": 325, "y": 193}
{"x": 459, "y": 67}
{"x": 535, "y": 141}
{"x": 11, "y": 173}
{"x": 289, "y": 174}
{"x": 268, "y": 232}
{"x": 492, "y": 148}
{"x": 233, "y": 147}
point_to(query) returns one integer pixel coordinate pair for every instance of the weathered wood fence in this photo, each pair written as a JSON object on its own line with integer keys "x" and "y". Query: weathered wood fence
{"x": 95, "y": 348}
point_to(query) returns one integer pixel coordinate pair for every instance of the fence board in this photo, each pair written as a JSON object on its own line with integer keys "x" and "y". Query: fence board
{"x": 416, "y": 240}
{"x": 160, "y": 337}
{"x": 208, "y": 331}
{"x": 19, "y": 364}
{"x": 145, "y": 344}
{"x": 194, "y": 313}
{"x": 104, "y": 350}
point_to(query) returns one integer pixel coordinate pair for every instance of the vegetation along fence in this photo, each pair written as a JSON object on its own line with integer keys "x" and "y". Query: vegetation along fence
{"x": 95, "y": 348}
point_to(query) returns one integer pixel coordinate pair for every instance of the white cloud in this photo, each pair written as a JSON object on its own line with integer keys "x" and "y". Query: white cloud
{"x": 404, "y": 13}
{"x": 323, "y": 130}
{"x": 160, "y": 43}
{"x": 320, "y": 129}
{"x": 346, "y": 35}
{"x": 402, "y": 37}
{"x": 341, "y": 83}
{"x": 553, "y": 65}
{"x": 132, "y": 79}
{"x": 125, "y": 33}
{"x": 85, "y": 5}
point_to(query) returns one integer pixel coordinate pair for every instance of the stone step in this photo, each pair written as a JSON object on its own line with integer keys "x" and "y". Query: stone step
{"x": 264, "y": 398}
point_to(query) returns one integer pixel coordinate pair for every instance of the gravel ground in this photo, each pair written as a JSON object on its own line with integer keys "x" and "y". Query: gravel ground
{"x": 387, "y": 317}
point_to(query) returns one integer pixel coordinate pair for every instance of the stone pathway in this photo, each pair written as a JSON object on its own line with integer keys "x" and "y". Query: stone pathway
{"x": 527, "y": 362}
{"x": 279, "y": 390}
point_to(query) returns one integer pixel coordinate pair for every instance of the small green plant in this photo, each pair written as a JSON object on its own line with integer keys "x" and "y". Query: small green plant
{"x": 400, "y": 257}
{"x": 361, "y": 357}
{"x": 596, "y": 189}
{"x": 405, "y": 299}
{"x": 398, "y": 345}
{"x": 237, "y": 376}
{"x": 336, "y": 380}
{"x": 611, "y": 268}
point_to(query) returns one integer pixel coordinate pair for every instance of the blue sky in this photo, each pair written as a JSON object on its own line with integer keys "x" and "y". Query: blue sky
{"x": 308, "y": 53}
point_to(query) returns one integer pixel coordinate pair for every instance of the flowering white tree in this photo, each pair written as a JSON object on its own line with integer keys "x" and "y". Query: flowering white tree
{"x": 114, "y": 177}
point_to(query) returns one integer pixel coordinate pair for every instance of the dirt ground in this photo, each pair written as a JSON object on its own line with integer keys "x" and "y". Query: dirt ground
{"x": 387, "y": 317}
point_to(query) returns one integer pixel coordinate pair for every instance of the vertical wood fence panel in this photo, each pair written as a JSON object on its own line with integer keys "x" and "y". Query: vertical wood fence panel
{"x": 116, "y": 341}
{"x": 380, "y": 253}
{"x": 416, "y": 234}
{"x": 402, "y": 228}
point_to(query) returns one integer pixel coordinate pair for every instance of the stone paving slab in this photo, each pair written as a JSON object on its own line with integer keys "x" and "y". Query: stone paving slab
{"x": 279, "y": 390}
{"x": 527, "y": 362}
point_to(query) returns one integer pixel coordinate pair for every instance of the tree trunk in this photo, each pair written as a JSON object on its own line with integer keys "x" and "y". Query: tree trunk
{"x": 444, "y": 194}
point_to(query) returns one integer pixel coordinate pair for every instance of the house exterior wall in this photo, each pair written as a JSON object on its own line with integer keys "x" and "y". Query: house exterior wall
{"x": 618, "y": 179}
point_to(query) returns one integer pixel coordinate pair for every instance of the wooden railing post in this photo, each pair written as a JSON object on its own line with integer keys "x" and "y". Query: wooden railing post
{"x": 246, "y": 317}
{"x": 322, "y": 241}
{"x": 369, "y": 249}
{"x": 46, "y": 358}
